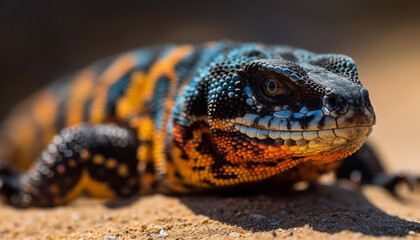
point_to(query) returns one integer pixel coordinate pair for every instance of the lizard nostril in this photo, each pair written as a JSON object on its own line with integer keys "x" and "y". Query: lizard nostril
{"x": 332, "y": 101}
{"x": 335, "y": 103}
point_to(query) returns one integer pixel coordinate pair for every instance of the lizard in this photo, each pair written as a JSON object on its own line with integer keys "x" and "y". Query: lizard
{"x": 184, "y": 118}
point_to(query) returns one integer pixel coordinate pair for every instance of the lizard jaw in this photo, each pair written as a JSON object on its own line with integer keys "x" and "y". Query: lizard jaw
{"x": 309, "y": 132}
{"x": 348, "y": 133}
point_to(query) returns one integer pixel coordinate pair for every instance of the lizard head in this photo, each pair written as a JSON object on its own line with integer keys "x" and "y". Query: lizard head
{"x": 308, "y": 108}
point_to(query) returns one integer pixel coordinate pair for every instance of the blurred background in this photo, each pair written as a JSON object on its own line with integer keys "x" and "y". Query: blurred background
{"x": 43, "y": 40}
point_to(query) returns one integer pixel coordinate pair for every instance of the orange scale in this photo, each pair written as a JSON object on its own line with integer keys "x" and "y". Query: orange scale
{"x": 273, "y": 148}
{"x": 294, "y": 148}
{"x": 254, "y": 142}
{"x": 262, "y": 146}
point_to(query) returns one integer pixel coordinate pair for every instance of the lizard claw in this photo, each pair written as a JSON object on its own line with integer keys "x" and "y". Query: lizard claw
{"x": 413, "y": 182}
{"x": 364, "y": 168}
{"x": 392, "y": 182}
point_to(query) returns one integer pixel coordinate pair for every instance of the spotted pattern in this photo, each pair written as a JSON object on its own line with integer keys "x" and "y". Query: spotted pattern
{"x": 184, "y": 118}
{"x": 99, "y": 160}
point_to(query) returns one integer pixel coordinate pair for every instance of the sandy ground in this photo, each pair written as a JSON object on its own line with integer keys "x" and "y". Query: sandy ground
{"x": 321, "y": 212}
{"x": 324, "y": 211}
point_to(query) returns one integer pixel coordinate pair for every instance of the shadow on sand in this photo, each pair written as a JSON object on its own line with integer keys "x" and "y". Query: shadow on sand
{"x": 324, "y": 208}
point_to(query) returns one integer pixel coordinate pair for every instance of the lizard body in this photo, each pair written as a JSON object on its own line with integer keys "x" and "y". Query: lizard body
{"x": 184, "y": 118}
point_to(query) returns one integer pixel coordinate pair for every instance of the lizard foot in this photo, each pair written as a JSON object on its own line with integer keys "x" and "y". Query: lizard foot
{"x": 392, "y": 182}
{"x": 365, "y": 168}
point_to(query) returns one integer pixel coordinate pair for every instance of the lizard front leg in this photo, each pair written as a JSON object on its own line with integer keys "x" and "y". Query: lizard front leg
{"x": 100, "y": 160}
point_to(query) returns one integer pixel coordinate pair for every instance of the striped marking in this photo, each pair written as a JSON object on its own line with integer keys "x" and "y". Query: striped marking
{"x": 119, "y": 88}
{"x": 23, "y": 132}
{"x": 44, "y": 112}
{"x": 131, "y": 102}
{"x": 61, "y": 93}
{"x": 80, "y": 91}
{"x": 166, "y": 67}
{"x": 142, "y": 85}
{"x": 116, "y": 91}
{"x": 117, "y": 69}
{"x": 22, "y": 138}
{"x": 141, "y": 91}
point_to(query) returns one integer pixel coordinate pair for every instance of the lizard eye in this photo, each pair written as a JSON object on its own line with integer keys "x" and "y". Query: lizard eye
{"x": 273, "y": 88}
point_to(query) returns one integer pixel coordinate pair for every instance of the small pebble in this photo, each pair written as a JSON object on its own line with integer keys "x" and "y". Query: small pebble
{"x": 234, "y": 234}
{"x": 411, "y": 232}
{"x": 75, "y": 217}
{"x": 273, "y": 233}
{"x": 162, "y": 233}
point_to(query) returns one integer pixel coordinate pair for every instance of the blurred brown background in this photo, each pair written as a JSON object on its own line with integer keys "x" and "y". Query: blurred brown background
{"x": 40, "y": 41}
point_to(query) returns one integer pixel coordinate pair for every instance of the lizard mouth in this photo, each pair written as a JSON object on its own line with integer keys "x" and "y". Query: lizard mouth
{"x": 338, "y": 135}
{"x": 312, "y": 127}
